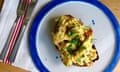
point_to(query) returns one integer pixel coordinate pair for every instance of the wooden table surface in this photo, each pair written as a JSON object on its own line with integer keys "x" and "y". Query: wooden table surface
{"x": 113, "y": 5}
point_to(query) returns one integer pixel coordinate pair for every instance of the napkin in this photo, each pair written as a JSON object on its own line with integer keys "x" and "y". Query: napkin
{"x": 7, "y": 17}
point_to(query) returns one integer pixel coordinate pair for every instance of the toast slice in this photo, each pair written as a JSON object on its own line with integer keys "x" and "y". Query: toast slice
{"x": 74, "y": 41}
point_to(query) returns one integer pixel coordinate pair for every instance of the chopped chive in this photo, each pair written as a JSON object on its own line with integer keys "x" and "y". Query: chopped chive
{"x": 90, "y": 59}
{"x": 72, "y": 32}
{"x": 69, "y": 49}
{"x": 77, "y": 37}
{"x": 68, "y": 55}
{"x": 74, "y": 41}
{"x": 84, "y": 48}
{"x": 78, "y": 26}
{"x": 78, "y": 60}
{"x": 83, "y": 56}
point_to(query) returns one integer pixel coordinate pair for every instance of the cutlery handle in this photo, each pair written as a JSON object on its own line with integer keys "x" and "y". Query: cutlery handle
{"x": 4, "y": 51}
{"x": 13, "y": 38}
{"x": 28, "y": 15}
{"x": 16, "y": 47}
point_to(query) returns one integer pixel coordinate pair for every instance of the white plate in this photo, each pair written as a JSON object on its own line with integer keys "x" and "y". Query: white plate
{"x": 43, "y": 51}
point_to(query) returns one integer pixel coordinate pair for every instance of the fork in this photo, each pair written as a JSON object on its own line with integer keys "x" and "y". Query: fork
{"x": 14, "y": 30}
{"x": 28, "y": 15}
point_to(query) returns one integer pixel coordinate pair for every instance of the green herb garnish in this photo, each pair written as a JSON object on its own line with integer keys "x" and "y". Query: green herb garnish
{"x": 72, "y": 32}
{"x": 83, "y": 56}
{"x": 74, "y": 41}
{"x": 84, "y": 48}
{"x": 77, "y": 37}
{"x": 78, "y": 26}
{"x": 69, "y": 49}
{"x": 79, "y": 60}
{"x": 90, "y": 59}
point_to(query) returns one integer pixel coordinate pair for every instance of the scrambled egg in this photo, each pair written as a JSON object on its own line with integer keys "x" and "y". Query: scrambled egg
{"x": 74, "y": 41}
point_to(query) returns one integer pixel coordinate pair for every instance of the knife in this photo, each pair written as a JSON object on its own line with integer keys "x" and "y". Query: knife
{"x": 21, "y": 9}
{"x": 28, "y": 15}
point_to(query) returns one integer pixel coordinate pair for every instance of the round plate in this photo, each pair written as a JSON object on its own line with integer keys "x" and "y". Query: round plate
{"x": 91, "y": 13}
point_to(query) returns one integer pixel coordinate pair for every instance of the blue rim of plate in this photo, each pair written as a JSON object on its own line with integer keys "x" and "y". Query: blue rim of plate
{"x": 51, "y": 5}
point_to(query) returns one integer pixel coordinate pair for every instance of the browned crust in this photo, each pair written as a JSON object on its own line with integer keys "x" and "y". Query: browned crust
{"x": 85, "y": 65}
{"x": 96, "y": 53}
{"x": 71, "y": 17}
